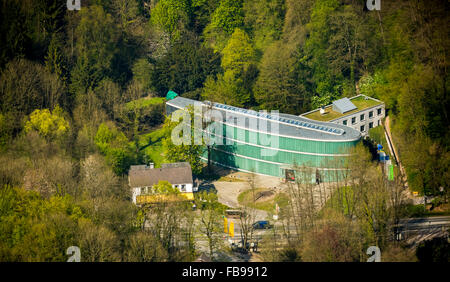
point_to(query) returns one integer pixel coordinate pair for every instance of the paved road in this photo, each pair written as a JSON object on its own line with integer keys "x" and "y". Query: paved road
{"x": 417, "y": 230}
{"x": 425, "y": 223}
{"x": 424, "y": 226}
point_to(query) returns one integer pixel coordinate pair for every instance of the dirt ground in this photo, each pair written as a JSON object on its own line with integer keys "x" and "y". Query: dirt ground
{"x": 228, "y": 191}
{"x": 232, "y": 183}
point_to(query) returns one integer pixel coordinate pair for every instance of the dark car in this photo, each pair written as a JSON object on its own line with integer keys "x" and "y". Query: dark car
{"x": 262, "y": 224}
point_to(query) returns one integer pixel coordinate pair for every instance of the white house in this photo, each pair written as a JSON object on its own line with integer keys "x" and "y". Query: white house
{"x": 141, "y": 179}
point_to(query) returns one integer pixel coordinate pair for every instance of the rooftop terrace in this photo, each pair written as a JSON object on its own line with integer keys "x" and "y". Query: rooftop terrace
{"x": 359, "y": 101}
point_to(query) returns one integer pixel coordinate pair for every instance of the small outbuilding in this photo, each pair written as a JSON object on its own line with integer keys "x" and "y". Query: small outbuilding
{"x": 343, "y": 105}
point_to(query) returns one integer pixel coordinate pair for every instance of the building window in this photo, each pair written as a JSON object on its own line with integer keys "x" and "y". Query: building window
{"x": 183, "y": 188}
{"x": 370, "y": 125}
{"x": 344, "y": 122}
{"x": 353, "y": 120}
{"x": 362, "y": 117}
{"x": 371, "y": 114}
{"x": 379, "y": 111}
{"x": 362, "y": 128}
{"x": 142, "y": 190}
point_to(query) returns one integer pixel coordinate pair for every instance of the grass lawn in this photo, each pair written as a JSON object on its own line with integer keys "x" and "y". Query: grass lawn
{"x": 230, "y": 179}
{"x": 419, "y": 211}
{"x": 339, "y": 200}
{"x": 377, "y": 135}
{"x": 151, "y": 145}
{"x": 246, "y": 199}
{"x": 145, "y": 102}
{"x": 359, "y": 102}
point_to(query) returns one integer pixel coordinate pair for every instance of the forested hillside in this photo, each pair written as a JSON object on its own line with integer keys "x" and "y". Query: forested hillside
{"x": 68, "y": 131}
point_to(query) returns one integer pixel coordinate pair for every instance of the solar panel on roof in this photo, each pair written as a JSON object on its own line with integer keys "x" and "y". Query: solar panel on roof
{"x": 280, "y": 119}
{"x": 343, "y": 105}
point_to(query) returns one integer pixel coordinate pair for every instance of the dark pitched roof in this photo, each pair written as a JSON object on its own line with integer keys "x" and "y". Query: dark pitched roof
{"x": 150, "y": 176}
{"x": 139, "y": 167}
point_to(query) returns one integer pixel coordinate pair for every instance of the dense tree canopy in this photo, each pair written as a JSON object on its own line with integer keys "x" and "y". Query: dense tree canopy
{"x": 80, "y": 101}
{"x": 185, "y": 66}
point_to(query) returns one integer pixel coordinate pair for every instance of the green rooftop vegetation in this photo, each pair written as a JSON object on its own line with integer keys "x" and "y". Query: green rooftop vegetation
{"x": 329, "y": 115}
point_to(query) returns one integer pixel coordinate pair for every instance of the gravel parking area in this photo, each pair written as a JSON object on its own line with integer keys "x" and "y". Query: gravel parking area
{"x": 228, "y": 191}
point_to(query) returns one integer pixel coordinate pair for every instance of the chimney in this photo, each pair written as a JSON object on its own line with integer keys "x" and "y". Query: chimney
{"x": 152, "y": 165}
{"x": 322, "y": 110}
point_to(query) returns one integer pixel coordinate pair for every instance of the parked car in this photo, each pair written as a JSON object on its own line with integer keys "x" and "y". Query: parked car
{"x": 262, "y": 224}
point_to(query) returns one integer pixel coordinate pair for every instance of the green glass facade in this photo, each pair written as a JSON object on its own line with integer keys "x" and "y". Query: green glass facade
{"x": 274, "y": 159}
{"x": 277, "y": 154}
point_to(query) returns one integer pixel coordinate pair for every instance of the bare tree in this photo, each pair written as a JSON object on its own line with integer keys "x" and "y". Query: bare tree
{"x": 248, "y": 215}
{"x": 144, "y": 247}
{"x": 300, "y": 214}
{"x": 210, "y": 224}
{"x": 170, "y": 221}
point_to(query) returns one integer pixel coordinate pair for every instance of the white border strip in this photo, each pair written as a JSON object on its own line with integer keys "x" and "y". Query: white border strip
{"x": 282, "y": 122}
{"x": 278, "y": 149}
{"x": 270, "y": 162}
